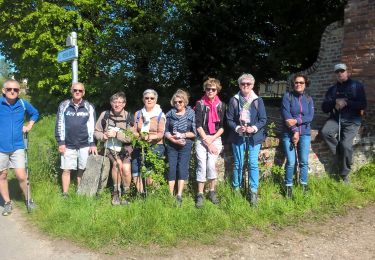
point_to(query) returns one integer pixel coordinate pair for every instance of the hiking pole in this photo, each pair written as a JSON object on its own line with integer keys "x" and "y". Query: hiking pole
{"x": 244, "y": 171}
{"x": 296, "y": 169}
{"x": 26, "y": 142}
{"x": 339, "y": 142}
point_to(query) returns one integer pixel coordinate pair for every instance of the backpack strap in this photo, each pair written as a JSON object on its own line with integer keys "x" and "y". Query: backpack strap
{"x": 105, "y": 119}
{"x": 23, "y": 104}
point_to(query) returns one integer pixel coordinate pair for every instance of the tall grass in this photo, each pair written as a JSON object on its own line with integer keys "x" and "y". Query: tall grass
{"x": 156, "y": 219}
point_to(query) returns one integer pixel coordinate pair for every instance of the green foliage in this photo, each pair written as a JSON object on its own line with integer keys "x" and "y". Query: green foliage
{"x": 271, "y": 129}
{"x": 134, "y": 45}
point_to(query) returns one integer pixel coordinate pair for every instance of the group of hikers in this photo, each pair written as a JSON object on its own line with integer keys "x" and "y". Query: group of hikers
{"x": 177, "y": 130}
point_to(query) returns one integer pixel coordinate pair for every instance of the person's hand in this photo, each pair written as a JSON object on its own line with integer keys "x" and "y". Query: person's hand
{"x": 295, "y": 138}
{"x": 208, "y": 140}
{"x": 111, "y": 133}
{"x": 27, "y": 128}
{"x": 340, "y": 103}
{"x": 250, "y": 130}
{"x": 243, "y": 129}
{"x": 291, "y": 122}
{"x": 105, "y": 136}
{"x": 213, "y": 149}
{"x": 93, "y": 150}
{"x": 62, "y": 149}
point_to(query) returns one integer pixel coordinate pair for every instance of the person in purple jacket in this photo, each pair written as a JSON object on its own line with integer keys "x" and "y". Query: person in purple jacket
{"x": 12, "y": 146}
{"x": 297, "y": 112}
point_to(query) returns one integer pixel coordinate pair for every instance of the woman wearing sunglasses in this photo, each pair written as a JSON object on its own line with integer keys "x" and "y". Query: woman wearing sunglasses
{"x": 180, "y": 134}
{"x": 297, "y": 112}
{"x": 209, "y": 116}
{"x": 149, "y": 125}
{"x": 246, "y": 116}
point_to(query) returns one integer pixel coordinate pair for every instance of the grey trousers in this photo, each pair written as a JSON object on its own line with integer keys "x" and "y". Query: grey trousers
{"x": 343, "y": 149}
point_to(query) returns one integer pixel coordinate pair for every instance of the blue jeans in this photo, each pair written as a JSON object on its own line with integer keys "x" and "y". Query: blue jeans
{"x": 239, "y": 157}
{"x": 179, "y": 158}
{"x": 303, "y": 156}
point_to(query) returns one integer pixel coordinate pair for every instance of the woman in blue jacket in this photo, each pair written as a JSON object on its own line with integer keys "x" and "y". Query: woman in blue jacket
{"x": 246, "y": 116}
{"x": 297, "y": 112}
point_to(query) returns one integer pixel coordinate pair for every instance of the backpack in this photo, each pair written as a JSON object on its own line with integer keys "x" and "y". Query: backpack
{"x": 205, "y": 109}
{"x": 128, "y": 120}
{"x": 139, "y": 116}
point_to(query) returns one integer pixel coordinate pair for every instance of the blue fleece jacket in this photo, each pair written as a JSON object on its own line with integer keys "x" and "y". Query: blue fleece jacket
{"x": 11, "y": 122}
{"x": 258, "y": 118}
{"x": 300, "y": 107}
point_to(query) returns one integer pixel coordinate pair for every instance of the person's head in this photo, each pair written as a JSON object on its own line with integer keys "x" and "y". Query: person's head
{"x": 118, "y": 102}
{"x": 341, "y": 72}
{"x": 300, "y": 82}
{"x": 150, "y": 97}
{"x": 78, "y": 91}
{"x": 212, "y": 87}
{"x": 11, "y": 89}
{"x": 180, "y": 99}
{"x": 246, "y": 83}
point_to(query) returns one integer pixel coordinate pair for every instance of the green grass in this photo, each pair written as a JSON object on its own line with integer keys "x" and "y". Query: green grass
{"x": 155, "y": 220}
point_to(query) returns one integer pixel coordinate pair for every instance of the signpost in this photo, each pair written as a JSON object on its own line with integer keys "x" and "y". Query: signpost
{"x": 70, "y": 54}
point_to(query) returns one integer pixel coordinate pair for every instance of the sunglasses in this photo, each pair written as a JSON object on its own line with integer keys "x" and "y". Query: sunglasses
{"x": 339, "y": 71}
{"x": 246, "y": 84}
{"x": 299, "y": 82}
{"x": 211, "y": 89}
{"x": 14, "y": 89}
{"x": 78, "y": 90}
{"x": 178, "y": 102}
{"x": 149, "y": 98}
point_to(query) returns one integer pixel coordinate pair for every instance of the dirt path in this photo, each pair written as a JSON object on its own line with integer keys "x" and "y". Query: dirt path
{"x": 351, "y": 236}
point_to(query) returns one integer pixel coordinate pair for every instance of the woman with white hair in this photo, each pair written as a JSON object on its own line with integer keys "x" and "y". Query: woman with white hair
{"x": 149, "y": 125}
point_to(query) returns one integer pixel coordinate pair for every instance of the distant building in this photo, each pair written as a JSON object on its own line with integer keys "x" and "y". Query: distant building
{"x": 272, "y": 89}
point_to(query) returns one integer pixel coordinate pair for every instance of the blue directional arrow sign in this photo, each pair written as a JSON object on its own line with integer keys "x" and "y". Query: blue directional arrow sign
{"x": 68, "y": 54}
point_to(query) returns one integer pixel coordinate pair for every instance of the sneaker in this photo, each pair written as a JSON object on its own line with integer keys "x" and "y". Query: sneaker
{"x": 7, "y": 208}
{"x": 115, "y": 198}
{"x": 345, "y": 179}
{"x": 199, "y": 202}
{"x": 125, "y": 202}
{"x": 289, "y": 192}
{"x": 65, "y": 195}
{"x": 213, "y": 197}
{"x": 253, "y": 196}
{"x": 30, "y": 206}
{"x": 178, "y": 200}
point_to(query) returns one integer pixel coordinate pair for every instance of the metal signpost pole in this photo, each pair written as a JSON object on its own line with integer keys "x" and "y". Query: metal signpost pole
{"x": 70, "y": 54}
{"x": 73, "y": 36}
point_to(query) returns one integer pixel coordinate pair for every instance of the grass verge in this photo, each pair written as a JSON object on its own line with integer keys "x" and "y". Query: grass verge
{"x": 93, "y": 222}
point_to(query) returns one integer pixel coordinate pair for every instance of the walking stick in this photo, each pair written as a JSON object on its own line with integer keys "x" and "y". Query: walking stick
{"x": 26, "y": 142}
{"x": 245, "y": 177}
{"x": 297, "y": 169}
{"x": 339, "y": 143}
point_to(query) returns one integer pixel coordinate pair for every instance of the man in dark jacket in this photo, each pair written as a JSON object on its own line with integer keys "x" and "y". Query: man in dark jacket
{"x": 75, "y": 123}
{"x": 345, "y": 101}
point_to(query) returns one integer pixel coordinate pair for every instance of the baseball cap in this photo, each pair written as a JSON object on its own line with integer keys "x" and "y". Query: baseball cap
{"x": 340, "y": 66}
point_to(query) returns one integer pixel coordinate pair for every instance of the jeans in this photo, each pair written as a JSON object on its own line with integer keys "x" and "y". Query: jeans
{"x": 344, "y": 149}
{"x": 179, "y": 158}
{"x": 303, "y": 150}
{"x": 239, "y": 151}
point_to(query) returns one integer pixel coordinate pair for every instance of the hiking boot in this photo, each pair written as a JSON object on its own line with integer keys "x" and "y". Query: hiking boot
{"x": 289, "y": 192}
{"x": 199, "y": 202}
{"x": 253, "y": 197}
{"x": 178, "y": 200}
{"x": 30, "y": 206}
{"x": 115, "y": 198}
{"x": 7, "y": 208}
{"x": 212, "y": 196}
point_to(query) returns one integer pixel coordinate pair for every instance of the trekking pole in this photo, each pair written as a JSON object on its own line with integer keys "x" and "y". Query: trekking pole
{"x": 297, "y": 170}
{"x": 143, "y": 174}
{"x": 244, "y": 171}
{"x": 26, "y": 142}
{"x": 339, "y": 142}
{"x": 117, "y": 168}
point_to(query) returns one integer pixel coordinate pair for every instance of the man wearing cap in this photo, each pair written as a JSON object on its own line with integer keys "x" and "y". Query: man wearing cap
{"x": 345, "y": 101}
